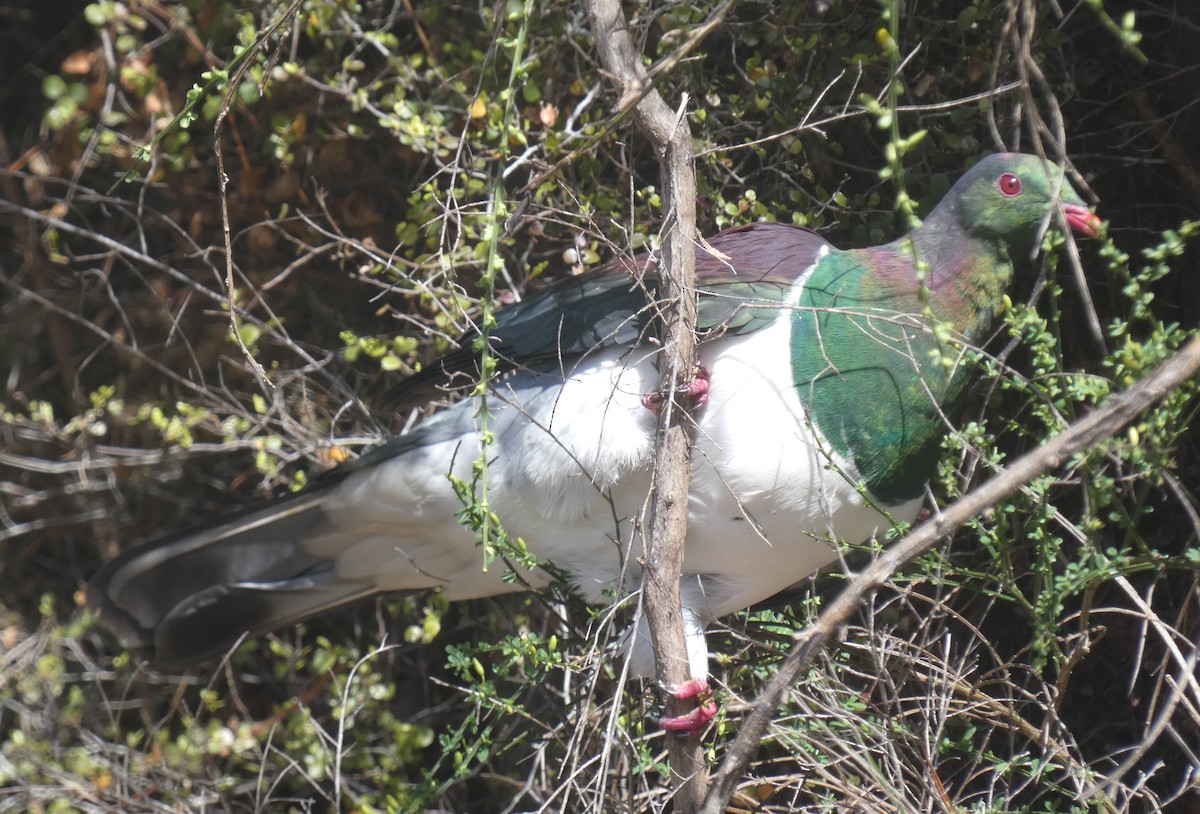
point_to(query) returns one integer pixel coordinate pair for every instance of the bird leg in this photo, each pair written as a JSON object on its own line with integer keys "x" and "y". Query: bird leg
{"x": 692, "y": 722}
{"x": 697, "y": 389}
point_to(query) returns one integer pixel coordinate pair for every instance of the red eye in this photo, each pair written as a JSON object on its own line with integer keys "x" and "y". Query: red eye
{"x": 1009, "y": 184}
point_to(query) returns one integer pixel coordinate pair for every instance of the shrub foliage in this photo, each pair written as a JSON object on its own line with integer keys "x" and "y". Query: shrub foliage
{"x": 175, "y": 343}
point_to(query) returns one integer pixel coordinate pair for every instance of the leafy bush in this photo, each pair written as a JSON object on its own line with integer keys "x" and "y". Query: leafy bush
{"x": 395, "y": 172}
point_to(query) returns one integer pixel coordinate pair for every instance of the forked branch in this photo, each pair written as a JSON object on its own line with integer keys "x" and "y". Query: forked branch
{"x": 670, "y": 134}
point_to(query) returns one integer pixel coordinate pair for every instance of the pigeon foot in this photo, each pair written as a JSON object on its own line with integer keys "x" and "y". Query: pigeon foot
{"x": 692, "y": 722}
{"x": 696, "y": 389}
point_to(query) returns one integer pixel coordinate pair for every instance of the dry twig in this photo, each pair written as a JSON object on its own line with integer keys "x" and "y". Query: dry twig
{"x": 671, "y": 136}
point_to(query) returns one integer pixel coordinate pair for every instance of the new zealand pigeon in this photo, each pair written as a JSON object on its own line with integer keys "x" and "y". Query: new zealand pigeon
{"x": 831, "y": 378}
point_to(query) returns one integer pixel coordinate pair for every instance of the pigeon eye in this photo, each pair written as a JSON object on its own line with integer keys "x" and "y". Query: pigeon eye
{"x": 1010, "y": 185}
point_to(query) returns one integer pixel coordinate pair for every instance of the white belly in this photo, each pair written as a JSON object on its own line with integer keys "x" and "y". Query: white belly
{"x": 569, "y": 473}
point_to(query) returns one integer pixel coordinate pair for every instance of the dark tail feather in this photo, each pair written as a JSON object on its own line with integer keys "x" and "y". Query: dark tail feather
{"x": 193, "y": 595}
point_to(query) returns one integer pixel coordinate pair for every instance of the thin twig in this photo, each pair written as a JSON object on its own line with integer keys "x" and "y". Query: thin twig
{"x": 231, "y": 89}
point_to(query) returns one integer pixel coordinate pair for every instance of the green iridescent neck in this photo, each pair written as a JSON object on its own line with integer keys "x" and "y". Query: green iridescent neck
{"x": 870, "y": 358}
{"x": 942, "y": 273}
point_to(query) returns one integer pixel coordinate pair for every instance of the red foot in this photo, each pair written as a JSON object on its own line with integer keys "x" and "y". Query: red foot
{"x": 692, "y": 722}
{"x": 697, "y": 389}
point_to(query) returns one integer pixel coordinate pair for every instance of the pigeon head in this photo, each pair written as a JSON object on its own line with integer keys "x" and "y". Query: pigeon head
{"x": 1008, "y": 196}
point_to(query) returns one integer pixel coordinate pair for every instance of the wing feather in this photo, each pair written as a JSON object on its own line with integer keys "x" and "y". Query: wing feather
{"x": 741, "y": 275}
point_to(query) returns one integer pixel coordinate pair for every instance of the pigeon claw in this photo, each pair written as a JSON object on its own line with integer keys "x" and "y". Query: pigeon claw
{"x": 691, "y": 723}
{"x": 696, "y": 390}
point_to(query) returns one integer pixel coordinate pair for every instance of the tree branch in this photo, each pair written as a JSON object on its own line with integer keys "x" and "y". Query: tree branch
{"x": 1100, "y": 424}
{"x": 669, "y": 132}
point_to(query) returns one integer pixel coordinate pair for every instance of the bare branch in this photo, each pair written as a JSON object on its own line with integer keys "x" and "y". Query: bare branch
{"x": 669, "y": 132}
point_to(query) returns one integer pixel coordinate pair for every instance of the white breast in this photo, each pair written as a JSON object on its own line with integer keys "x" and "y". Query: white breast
{"x": 569, "y": 473}
{"x": 768, "y": 497}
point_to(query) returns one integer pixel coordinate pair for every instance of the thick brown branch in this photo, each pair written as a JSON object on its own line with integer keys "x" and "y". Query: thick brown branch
{"x": 664, "y": 542}
{"x": 1100, "y": 424}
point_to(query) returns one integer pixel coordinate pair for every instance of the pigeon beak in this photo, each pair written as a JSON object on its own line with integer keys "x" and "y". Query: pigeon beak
{"x": 1082, "y": 219}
